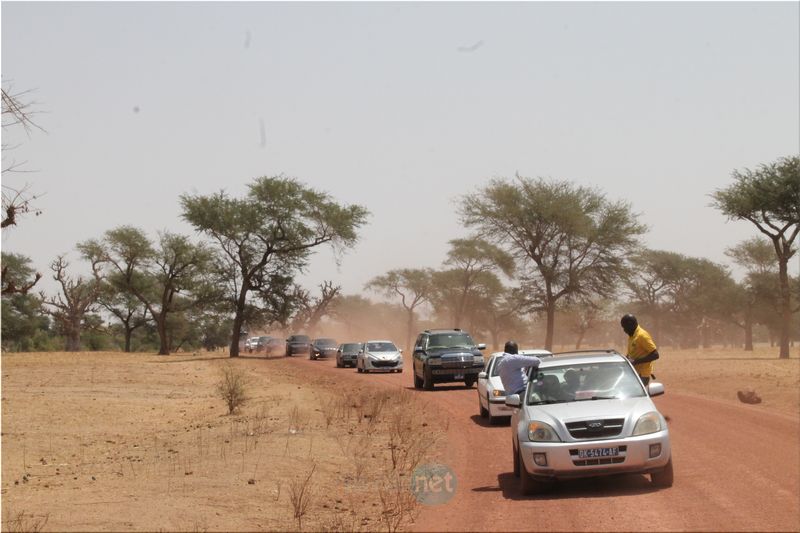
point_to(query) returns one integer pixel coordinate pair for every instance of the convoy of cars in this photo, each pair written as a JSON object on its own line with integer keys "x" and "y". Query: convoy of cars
{"x": 583, "y": 413}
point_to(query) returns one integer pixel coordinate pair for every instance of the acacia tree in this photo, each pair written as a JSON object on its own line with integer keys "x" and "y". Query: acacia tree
{"x": 413, "y": 286}
{"x": 312, "y": 309}
{"x": 471, "y": 261}
{"x": 769, "y": 197}
{"x": 78, "y": 298}
{"x": 568, "y": 240}
{"x": 155, "y": 276}
{"x": 757, "y": 257}
{"x": 268, "y": 236}
{"x": 124, "y": 306}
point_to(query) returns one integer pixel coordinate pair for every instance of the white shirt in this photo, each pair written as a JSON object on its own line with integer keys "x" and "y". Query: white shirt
{"x": 513, "y": 371}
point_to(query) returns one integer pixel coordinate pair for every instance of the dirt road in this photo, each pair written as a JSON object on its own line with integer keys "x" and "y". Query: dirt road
{"x": 737, "y": 468}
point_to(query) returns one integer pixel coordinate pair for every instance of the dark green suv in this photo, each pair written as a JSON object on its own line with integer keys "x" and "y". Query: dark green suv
{"x": 446, "y": 356}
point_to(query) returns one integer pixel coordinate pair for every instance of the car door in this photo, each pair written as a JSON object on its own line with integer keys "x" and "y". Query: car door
{"x": 419, "y": 352}
{"x": 483, "y": 381}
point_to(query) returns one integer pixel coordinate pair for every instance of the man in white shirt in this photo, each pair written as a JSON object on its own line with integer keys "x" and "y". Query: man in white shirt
{"x": 513, "y": 369}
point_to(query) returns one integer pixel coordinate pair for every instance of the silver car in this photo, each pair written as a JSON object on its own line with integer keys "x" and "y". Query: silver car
{"x": 491, "y": 396}
{"x": 379, "y": 356}
{"x": 587, "y": 414}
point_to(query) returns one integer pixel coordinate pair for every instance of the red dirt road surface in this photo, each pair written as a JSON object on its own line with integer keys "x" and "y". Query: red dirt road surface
{"x": 737, "y": 468}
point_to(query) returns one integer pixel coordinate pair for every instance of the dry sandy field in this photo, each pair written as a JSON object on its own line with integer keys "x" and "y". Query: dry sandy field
{"x": 140, "y": 442}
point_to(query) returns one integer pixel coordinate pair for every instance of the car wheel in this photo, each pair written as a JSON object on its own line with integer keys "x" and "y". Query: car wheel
{"x": 469, "y": 381}
{"x": 417, "y": 381}
{"x": 529, "y": 485}
{"x": 338, "y": 363}
{"x": 663, "y": 478}
{"x": 400, "y": 371}
{"x": 427, "y": 378}
{"x": 483, "y": 411}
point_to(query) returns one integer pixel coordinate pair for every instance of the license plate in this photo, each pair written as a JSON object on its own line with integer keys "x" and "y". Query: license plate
{"x": 598, "y": 452}
{"x": 459, "y": 376}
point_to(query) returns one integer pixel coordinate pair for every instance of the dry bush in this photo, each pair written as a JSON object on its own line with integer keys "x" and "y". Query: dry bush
{"x": 22, "y": 521}
{"x": 231, "y": 387}
{"x": 398, "y": 503}
{"x": 300, "y": 495}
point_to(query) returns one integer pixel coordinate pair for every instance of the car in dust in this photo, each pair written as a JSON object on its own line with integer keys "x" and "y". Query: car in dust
{"x": 491, "y": 396}
{"x": 273, "y": 345}
{"x": 250, "y": 344}
{"x": 297, "y": 344}
{"x": 322, "y": 347}
{"x": 446, "y": 355}
{"x": 347, "y": 353}
{"x": 586, "y": 414}
{"x": 379, "y": 356}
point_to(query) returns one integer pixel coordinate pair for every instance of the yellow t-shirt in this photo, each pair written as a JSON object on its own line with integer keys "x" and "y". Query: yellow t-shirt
{"x": 639, "y": 345}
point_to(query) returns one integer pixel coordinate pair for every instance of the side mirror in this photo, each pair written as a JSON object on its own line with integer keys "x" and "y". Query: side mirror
{"x": 481, "y": 346}
{"x": 418, "y": 351}
{"x": 513, "y": 400}
{"x": 655, "y": 389}
{"x": 401, "y": 350}
{"x": 482, "y": 375}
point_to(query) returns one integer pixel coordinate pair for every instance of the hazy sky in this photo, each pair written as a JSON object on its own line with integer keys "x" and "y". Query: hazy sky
{"x": 400, "y": 107}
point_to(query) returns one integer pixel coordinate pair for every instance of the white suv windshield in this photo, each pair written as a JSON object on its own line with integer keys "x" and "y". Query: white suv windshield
{"x": 582, "y": 382}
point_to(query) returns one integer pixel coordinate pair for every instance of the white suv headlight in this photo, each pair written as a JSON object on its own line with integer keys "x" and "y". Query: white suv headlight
{"x": 541, "y": 432}
{"x": 477, "y": 359}
{"x": 647, "y": 423}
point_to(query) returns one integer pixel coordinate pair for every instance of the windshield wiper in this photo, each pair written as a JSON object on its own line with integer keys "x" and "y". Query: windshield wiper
{"x": 544, "y": 402}
{"x": 599, "y": 398}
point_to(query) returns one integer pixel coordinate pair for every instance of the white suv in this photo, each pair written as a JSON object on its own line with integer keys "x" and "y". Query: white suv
{"x": 587, "y": 414}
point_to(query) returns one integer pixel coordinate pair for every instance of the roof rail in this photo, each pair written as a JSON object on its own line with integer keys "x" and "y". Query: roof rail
{"x": 606, "y": 350}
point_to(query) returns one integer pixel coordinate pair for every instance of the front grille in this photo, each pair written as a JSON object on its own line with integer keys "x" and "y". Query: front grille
{"x": 383, "y": 364}
{"x": 596, "y": 429}
{"x": 457, "y": 362}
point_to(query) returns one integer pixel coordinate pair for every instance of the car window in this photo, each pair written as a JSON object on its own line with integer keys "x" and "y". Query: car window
{"x": 325, "y": 342}
{"x": 495, "y": 370}
{"x": 299, "y": 338}
{"x": 351, "y": 347}
{"x": 590, "y": 381}
{"x": 381, "y": 347}
{"x": 450, "y": 340}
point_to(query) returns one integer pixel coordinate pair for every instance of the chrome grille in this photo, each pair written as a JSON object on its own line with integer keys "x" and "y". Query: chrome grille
{"x": 596, "y": 429}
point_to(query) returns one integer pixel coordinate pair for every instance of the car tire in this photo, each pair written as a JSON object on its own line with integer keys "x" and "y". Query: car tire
{"x": 417, "y": 381}
{"x": 338, "y": 363}
{"x": 664, "y": 477}
{"x": 469, "y": 381}
{"x": 400, "y": 371}
{"x": 484, "y": 412}
{"x": 427, "y": 378}
{"x": 528, "y": 485}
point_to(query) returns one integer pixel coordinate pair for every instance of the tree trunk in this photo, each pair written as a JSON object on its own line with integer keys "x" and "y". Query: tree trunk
{"x": 786, "y": 308}
{"x": 748, "y": 329}
{"x": 580, "y": 339}
{"x": 73, "y": 340}
{"x": 161, "y": 326}
{"x": 551, "y": 322}
{"x": 128, "y": 335}
{"x": 238, "y": 320}
{"x": 410, "y": 331}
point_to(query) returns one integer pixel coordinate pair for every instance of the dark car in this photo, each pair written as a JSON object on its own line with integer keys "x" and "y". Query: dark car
{"x": 446, "y": 356}
{"x": 347, "y": 354}
{"x": 322, "y": 347}
{"x": 260, "y": 344}
{"x": 297, "y": 344}
{"x": 273, "y": 345}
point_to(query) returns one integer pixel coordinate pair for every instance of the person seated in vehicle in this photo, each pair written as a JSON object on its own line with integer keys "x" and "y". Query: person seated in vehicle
{"x": 572, "y": 382}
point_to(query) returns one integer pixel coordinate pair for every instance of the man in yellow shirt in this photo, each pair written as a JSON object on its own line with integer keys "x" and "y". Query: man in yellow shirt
{"x": 642, "y": 350}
